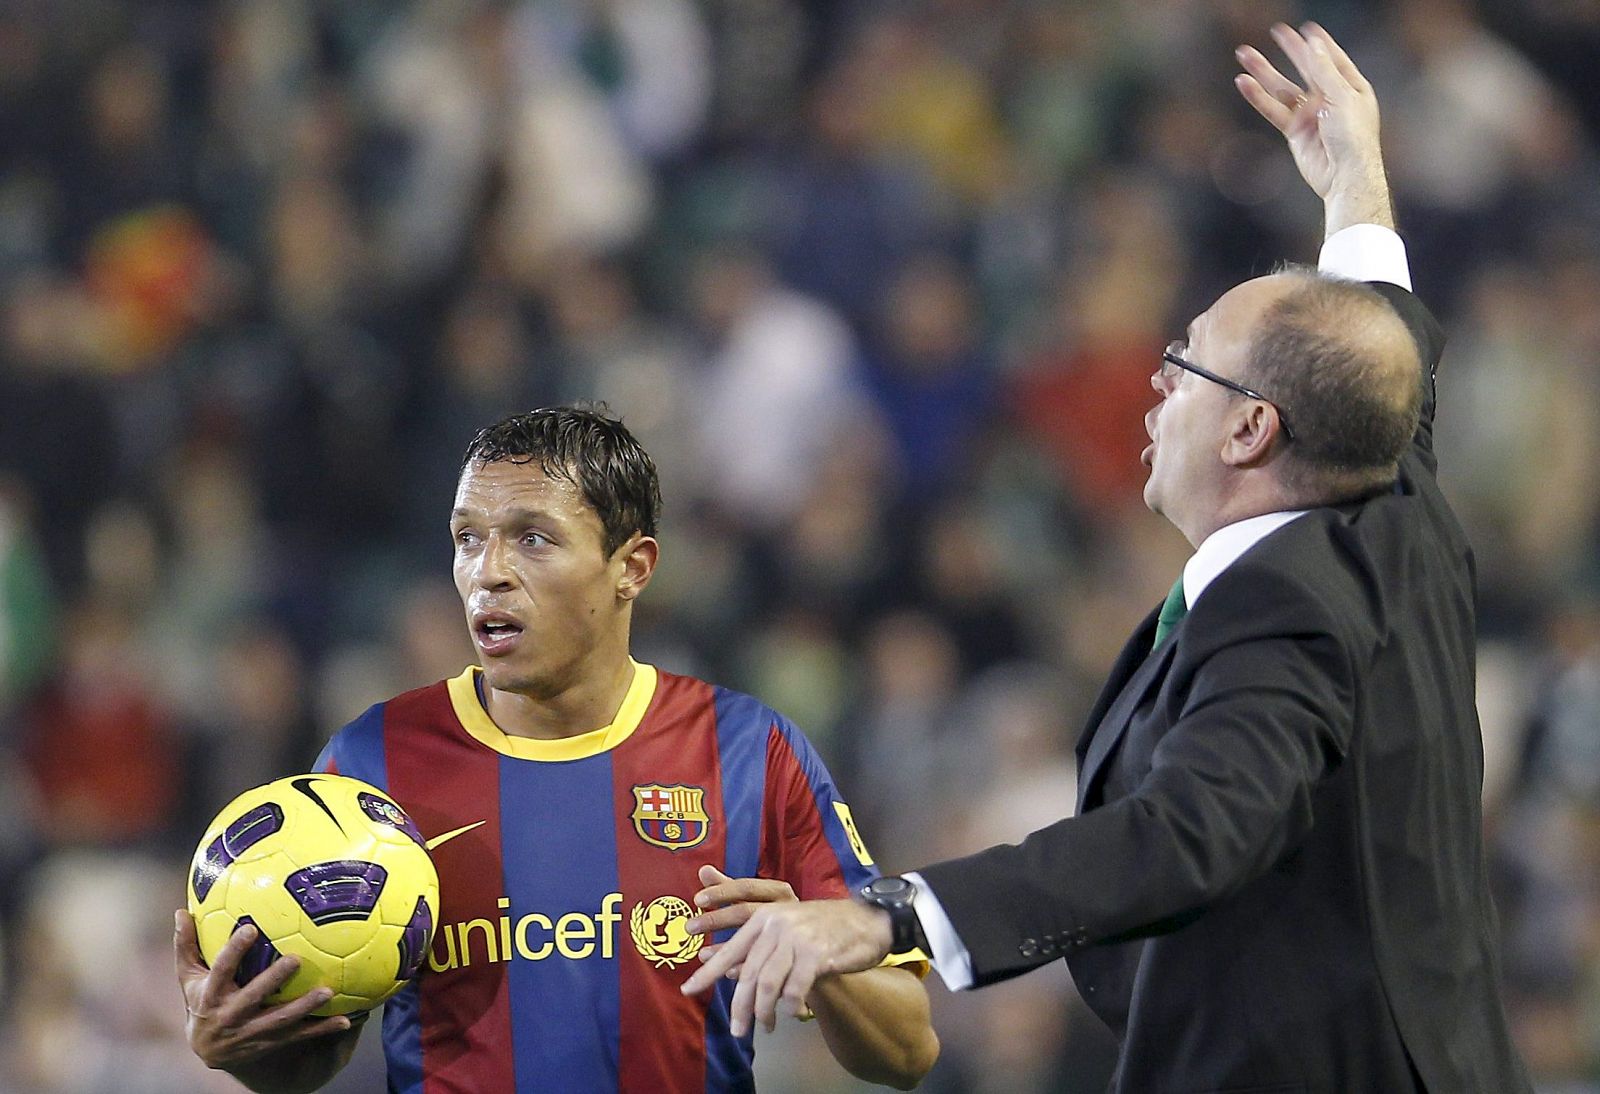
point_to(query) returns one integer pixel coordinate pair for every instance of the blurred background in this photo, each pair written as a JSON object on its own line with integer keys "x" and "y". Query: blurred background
{"x": 880, "y": 285}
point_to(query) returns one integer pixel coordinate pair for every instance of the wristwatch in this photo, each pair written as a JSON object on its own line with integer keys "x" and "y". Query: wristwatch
{"x": 894, "y": 895}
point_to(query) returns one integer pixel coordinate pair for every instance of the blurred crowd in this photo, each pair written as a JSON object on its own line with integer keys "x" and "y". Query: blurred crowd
{"x": 879, "y": 284}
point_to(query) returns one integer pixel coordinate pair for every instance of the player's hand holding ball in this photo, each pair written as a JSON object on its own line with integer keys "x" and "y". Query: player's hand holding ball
{"x": 312, "y": 897}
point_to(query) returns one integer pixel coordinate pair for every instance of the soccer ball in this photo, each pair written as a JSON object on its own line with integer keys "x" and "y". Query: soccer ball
{"x": 327, "y": 868}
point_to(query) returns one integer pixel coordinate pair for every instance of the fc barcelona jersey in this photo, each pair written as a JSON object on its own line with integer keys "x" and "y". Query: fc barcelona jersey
{"x": 566, "y": 871}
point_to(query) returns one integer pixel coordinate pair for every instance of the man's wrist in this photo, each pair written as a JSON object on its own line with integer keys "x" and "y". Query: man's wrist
{"x": 1361, "y": 200}
{"x": 883, "y": 928}
{"x": 894, "y": 897}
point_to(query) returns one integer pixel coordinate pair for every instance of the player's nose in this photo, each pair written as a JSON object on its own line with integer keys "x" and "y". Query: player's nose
{"x": 494, "y": 565}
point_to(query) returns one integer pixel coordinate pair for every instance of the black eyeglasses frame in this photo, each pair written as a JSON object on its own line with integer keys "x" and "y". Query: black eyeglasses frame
{"x": 1173, "y": 358}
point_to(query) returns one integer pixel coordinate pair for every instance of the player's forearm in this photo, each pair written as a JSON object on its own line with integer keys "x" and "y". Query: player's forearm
{"x": 300, "y": 1068}
{"x": 876, "y": 1024}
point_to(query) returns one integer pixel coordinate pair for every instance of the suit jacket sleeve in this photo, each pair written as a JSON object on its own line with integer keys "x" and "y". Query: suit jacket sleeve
{"x": 1228, "y": 792}
{"x": 1429, "y": 336}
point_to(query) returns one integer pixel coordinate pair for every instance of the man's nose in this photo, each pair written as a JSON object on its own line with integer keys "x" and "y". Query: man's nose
{"x": 494, "y": 570}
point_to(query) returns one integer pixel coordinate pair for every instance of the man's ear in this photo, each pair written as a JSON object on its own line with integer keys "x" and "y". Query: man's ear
{"x": 1250, "y": 440}
{"x": 638, "y": 557}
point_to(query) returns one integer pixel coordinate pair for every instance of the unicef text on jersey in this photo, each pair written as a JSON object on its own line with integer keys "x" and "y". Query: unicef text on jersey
{"x": 657, "y": 929}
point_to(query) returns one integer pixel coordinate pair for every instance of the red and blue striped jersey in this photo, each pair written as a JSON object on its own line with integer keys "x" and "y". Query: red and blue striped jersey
{"x": 566, "y": 869}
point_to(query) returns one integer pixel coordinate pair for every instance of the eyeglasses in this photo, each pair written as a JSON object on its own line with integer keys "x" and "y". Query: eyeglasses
{"x": 1172, "y": 362}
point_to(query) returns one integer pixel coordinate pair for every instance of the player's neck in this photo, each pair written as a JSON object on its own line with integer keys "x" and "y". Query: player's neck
{"x": 590, "y": 703}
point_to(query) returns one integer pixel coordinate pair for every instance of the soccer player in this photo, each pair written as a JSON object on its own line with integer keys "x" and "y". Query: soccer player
{"x": 581, "y": 808}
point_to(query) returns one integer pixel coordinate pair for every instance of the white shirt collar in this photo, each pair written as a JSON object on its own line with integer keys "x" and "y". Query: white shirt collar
{"x": 1224, "y": 546}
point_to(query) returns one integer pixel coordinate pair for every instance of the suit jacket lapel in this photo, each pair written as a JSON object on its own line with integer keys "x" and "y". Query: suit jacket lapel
{"x": 1136, "y": 671}
{"x": 1134, "y": 653}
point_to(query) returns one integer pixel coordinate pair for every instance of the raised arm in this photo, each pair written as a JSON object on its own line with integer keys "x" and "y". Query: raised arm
{"x": 1329, "y": 119}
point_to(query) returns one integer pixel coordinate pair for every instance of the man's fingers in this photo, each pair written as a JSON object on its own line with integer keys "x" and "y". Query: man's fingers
{"x": 186, "y": 946}
{"x": 734, "y": 915}
{"x": 1273, "y": 82}
{"x": 267, "y": 983}
{"x": 728, "y": 955}
{"x": 759, "y": 890}
{"x": 765, "y": 951}
{"x": 710, "y": 875}
{"x": 770, "y": 983}
{"x": 289, "y": 1021}
{"x": 1298, "y": 50}
{"x": 1312, "y": 60}
{"x": 1281, "y": 117}
{"x": 226, "y": 966}
{"x": 716, "y": 896}
{"x": 741, "y": 1008}
{"x": 801, "y": 977}
{"x": 1341, "y": 60}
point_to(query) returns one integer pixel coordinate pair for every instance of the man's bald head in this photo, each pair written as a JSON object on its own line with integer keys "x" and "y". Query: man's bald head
{"x": 1342, "y": 365}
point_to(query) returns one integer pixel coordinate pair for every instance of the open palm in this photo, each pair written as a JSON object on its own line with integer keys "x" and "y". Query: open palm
{"x": 1331, "y": 122}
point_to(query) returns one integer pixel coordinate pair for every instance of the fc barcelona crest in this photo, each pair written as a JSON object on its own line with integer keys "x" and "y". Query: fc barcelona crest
{"x": 673, "y": 817}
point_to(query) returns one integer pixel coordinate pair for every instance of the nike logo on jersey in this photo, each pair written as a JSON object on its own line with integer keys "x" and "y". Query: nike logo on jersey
{"x": 448, "y": 836}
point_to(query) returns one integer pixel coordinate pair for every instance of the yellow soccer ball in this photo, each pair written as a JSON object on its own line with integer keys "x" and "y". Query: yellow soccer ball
{"x": 327, "y": 868}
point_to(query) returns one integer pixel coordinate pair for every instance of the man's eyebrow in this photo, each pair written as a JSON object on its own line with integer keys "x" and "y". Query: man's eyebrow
{"x": 512, "y": 516}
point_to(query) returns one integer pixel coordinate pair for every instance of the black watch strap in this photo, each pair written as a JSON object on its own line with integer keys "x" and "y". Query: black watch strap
{"x": 896, "y": 895}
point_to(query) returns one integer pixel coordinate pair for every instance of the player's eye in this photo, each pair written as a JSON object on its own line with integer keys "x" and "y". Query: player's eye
{"x": 534, "y": 539}
{"x": 465, "y": 537}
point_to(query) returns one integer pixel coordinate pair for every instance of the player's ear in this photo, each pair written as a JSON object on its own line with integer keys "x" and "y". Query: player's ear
{"x": 638, "y": 557}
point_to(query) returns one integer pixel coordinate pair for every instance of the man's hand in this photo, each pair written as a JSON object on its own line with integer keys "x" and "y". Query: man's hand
{"x": 230, "y": 1026}
{"x": 781, "y": 951}
{"x": 1331, "y": 123}
{"x": 729, "y": 901}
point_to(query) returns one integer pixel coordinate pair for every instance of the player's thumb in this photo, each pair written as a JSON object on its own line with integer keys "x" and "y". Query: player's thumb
{"x": 185, "y": 942}
{"x": 710, "y": 875}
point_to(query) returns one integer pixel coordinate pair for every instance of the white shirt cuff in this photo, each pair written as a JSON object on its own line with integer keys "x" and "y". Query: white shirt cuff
{"x": 950, "y": 958}
{"x": 1366, "y": 252}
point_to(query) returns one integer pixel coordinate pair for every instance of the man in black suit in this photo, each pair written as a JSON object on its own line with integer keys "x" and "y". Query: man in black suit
{"x": 1275, "y": 880}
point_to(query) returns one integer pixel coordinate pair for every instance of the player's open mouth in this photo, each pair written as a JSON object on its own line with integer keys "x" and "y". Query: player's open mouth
{"x": 496, "y": 634}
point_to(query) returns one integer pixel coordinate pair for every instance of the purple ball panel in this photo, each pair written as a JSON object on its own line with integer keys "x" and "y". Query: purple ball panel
{"x": 414, "y": 940}
{"x": 209, "y": 870}
{"x": 387, "y": 812}
{"x": 333, "y": 891}
{"x": 256, "y": 959}
{"x": 251, "y": 828}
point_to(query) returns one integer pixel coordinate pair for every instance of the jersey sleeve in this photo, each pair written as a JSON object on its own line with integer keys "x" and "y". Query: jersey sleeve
{"x": 326, "y": 763}
{"x": 808, "y": 837}
{"x": 357, "y": 750}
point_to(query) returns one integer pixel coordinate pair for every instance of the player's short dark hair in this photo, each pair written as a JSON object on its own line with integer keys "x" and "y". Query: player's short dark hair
{"x": 588, "y": 447}
{"x": 1325, "y": 352}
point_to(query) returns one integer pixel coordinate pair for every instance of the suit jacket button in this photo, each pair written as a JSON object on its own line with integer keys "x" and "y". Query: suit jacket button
{"x": 1029, "y": 948}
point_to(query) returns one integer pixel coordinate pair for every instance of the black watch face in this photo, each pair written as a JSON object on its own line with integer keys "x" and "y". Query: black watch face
{"x": 889, "y": 887}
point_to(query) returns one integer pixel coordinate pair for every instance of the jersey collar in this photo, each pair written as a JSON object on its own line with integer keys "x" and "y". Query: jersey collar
{"x": 476, "y": 721}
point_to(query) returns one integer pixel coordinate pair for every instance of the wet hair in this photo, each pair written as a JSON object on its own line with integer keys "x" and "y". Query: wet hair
{"x": 1341, "y": 363}
{"x": 588, "y": 447}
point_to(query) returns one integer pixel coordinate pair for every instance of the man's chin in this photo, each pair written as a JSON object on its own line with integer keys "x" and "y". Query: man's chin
{"x": 503, "y": 677}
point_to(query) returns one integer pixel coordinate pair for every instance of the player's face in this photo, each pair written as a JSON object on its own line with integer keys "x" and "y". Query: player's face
{"x": 1190, "y": 425}
{"x": 544, "y": 602}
